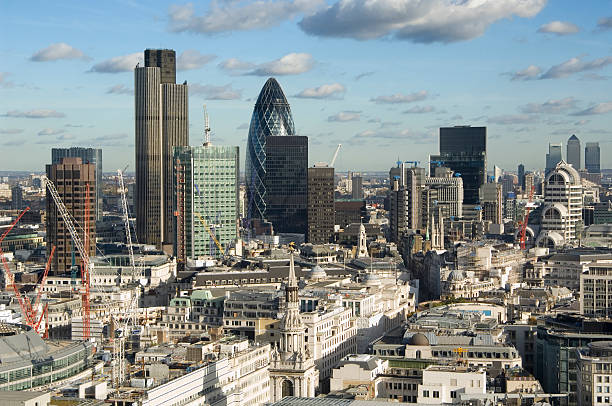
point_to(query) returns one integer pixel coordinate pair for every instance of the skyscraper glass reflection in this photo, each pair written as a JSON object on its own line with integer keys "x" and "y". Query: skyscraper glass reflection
{"x": 271, "y": 117}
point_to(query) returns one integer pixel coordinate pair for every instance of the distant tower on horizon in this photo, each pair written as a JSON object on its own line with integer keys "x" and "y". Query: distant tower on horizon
{"x": 554, "y": 156}
{"x": 521, "y": 176}
{"x": 573, "y": 152}
{"x": 161, "y": 123}
{"x": 592, "y": 157}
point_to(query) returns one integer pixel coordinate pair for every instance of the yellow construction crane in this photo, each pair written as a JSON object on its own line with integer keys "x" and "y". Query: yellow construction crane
{"x": 212, "y": 235}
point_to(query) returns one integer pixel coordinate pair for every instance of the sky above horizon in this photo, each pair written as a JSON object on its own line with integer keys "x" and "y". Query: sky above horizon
{"x": 378, "y": 76}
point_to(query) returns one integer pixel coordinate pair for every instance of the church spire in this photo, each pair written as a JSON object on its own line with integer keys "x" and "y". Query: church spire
{"x": 291, "y": 290}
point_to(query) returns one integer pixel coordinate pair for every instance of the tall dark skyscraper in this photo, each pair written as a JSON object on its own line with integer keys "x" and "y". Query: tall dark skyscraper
{"x": 161, "y": 112}
{"x": 592, "y": 157}
{"x": 16, "y": 198}
{"x": 357, "y": 187}
{"x": 573, "y": 152}
{"x": 521, "y": 175}
{"x": 88, "y": 156}
{"x": 286, "y": 183}
{"x": 271, "y": 118}
{"x": 464, "y": 150}
{"x": 71, "y": 177}
{"x": 321, "y": 213}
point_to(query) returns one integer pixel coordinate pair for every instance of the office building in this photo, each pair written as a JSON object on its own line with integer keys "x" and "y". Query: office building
{"x": 405, "y": 211}
{"x": 16, "y": 198}
{"x": 75, "y": 182}
{"x": 463, "y": 149}
{"x": 161, "y": 112}
{"x": 497, "y": 173}
{"x": 521, "y": 176}
{"x": 449, "y": 192}
{"x": 529, "y": 182}
{"x": 592, "y": 157}
{"x": 271, "y": 118}
{"x": 491, "y": 202}
{"x": 357, "y": 187}
{"x": 596, "y": 289}
{"x": 286, "y": 183}
{"x": 88, "y": 156}
{"x": 349, "y": 211}
{"x": 573, "y": 152}
{"x": 554, "y": 156}
{"x": 594, "y": 374}
{"x": 206, "y": 189}
{"x": 562, "y": 208}
{"x": 321, "y": 214}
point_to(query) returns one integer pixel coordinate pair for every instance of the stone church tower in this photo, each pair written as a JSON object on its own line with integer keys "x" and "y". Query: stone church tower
{"x": 292, "y": 369}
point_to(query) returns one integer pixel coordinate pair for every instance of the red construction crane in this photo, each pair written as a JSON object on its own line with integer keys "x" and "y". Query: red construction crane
{"x": 523, "y": 229}
{"x": 11, "y": 277}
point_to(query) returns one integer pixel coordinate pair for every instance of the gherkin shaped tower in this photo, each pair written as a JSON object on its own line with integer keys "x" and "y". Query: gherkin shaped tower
{"x": 271, "y": 118}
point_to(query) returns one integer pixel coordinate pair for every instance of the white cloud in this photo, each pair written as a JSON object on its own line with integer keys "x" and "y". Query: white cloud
{"x": 401, "y": 98}
{"x": 11, "y": 131}
{"x": 512, "y": 119}
{"x": 550, "y": 106}
{"x": 575, "y": 65}
{"x": 192, "y": 59}
{"x": 41, "y": 113}
{"x": 420, "y": 110}
{"x": 120, "y": 89}
{"x": 290, "y": 64}
{"x": 50, "y": 131}
{"x": 57, "y": 51}
{"x": 211, "y": 92}
{"x": 125, "y": 63}
{"x": 3, "y": 82}
{"x": 345, "y": 116}
{"x": 327, "y": 91}
{"x": 237, "y": 15}
{"x": 559, "y": 28}
{"x": 415, "y": 20}
{"x": 601, "y": 108}
{"x": 529, "y": 73}
{"x": 604, "y": 23}
{"x": 405, "y": 135}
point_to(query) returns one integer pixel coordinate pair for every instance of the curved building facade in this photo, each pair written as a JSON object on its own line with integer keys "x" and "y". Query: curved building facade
{"x": 271, "y": 117}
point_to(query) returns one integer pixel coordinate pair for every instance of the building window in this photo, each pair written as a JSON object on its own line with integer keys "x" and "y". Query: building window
{"x": 436, "y": 394}
{"x": 425, "y": 393}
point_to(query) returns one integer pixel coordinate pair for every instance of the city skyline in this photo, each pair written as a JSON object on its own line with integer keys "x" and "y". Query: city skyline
{"x": 532, "y": 72}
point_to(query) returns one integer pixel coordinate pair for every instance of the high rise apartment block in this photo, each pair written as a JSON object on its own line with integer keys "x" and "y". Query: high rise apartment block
{"x": 76, "y": 184}
{"x": 161, "y": 112}
{"x": 321, "y": 213}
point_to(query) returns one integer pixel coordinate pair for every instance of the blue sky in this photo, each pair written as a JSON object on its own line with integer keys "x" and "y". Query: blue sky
{"x": 378, "y": 76}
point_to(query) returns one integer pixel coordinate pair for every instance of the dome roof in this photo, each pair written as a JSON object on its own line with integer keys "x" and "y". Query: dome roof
{"x": 317, "y": 273}
{"x": 418, "y": 339}
{"x": 456, "y": 275}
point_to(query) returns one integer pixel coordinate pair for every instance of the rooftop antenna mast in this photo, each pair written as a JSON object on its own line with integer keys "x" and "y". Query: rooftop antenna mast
{"x": 206, "y": 128}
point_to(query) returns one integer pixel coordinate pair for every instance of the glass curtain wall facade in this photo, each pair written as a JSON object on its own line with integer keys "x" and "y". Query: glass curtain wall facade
{"x": 209, "y": 177}
{"x": 271, "y": 118}
{"x": 287, "y": 183}
{"x": 464, "y": 150}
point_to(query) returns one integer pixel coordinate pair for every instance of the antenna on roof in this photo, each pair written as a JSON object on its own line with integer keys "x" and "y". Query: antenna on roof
{"x": 206, "y": 128}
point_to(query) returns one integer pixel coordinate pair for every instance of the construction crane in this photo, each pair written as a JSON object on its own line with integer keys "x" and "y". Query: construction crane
{"x": 414, "y": 163}
{"x": 523, "y": 227}
{"x": 82, "y": 248}
{"x": 212, "y": 235}
{"x": 126, "y": 220}
{"x": 206, "y": 128}
{"x": 11, "y": 278}
{"x": 333, "y": 160}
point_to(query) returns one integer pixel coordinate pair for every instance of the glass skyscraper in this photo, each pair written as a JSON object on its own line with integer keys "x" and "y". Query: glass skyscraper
{"x": 592, "y": 157}
{"x": 464, "y": 150}
{"x": 205, "y": 184}
{"x": 271, "y": 118}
